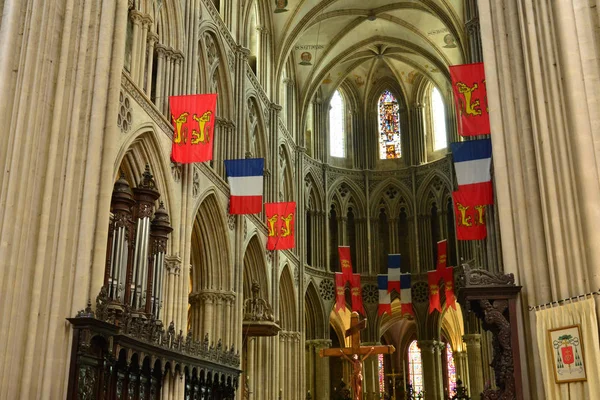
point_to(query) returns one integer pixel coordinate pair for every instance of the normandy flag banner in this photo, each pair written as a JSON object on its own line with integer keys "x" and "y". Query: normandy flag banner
{"x": 468, "y": 86}
{"x": 340, "y": 292}
{"x": 281, "y": 219}
{"x": 194, "y": 120}
{"x": 448, "y": 275}
{"x": 346, "y": 263}
{"x": 356, "y": 290}
{"x": 434, "y": 291}
{"x": 470, "y": 217}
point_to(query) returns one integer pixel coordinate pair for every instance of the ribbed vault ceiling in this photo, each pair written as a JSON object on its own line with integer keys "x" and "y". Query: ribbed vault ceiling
{"x": 366, "y": 41}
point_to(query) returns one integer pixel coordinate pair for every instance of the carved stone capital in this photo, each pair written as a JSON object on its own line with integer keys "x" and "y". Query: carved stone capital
{"x": 173, "y": 264}
{"x": 137, "y": 17}
{"x": 152, "y": 38}
{"x": 472, "y": 339}
{"x": 242, "y": 52}
{"x": 427, "y": 345}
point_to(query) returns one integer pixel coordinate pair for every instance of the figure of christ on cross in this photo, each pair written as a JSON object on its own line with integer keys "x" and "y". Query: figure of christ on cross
{"x": 354, "y": 353}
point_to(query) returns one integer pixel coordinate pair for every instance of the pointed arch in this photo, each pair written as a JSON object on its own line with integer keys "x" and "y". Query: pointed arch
{"x": 255, "y": 269}
{"x": 344, "y": 190}
{"x": 338, "y": 127}
{"x": 140, "y": 149}
{"x": 210, "y": 247}
{"x": 314, "y": 193}
{"x": 286, "y": 178}
{"x": 287, "y": 301}
{"x": 256, "y": 138}
{"x": 314, "y": 314}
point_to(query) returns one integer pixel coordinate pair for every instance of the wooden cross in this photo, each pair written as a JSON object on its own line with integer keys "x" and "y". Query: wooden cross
{"x": 355, "y": 351}
{"x": 394, "y": 376}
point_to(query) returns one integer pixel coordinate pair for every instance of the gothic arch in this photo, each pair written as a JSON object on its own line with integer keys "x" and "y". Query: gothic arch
{"x": 214, "y": 69}
{"x": 287, "y": 301}
{"x": 210, "y": 247}
{"x": 140, "y": 149}
{"x": 404, "y": 196}
{"x": 453, "y": 326}
{"x": 344, "y": 190}
{"x": 428, "y": 190}
{"x": 316, "y": 326}
{"x": 168, "y": 25}
{"x": 255, "y": 268}
{"x": 287, "y": 187}
{"x": 314, "y": 192}
{"x": 256, "y": 140}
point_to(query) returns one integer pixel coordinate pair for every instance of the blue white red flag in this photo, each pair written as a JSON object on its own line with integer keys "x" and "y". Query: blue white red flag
{"x": 245, "y": 178}
{"x": 406, "y": 295}
{"x": 394, "y": 272}
{"x": 472, "y": 163}
{"x": 384, "y": 296}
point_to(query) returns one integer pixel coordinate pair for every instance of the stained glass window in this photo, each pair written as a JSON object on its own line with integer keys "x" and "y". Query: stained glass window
{"x": 381, "y": 374}
{"x": 438, "y": 114}
{"x": 389, "y": 126}
{"x": 415, "y": 367}
{"x": 337, "y": 139}
{"x": 451, "y": 369}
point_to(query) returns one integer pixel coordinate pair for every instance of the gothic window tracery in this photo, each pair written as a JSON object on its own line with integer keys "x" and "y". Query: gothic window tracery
{"x": 337, "y": 134}
{"x": 389, "y": 126}
{"x": 415, "y": 367}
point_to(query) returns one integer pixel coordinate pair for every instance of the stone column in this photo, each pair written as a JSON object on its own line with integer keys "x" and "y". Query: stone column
{"x": 161, "y": 54}
{"x": 439, "y": 367}
{"x": 321, "y": 371}
{"x": 152, "y": 40}
{"x": 431, "y": 371}
{"x": 462, "y": 370}
{"x": 425, "y": 245}
{"x": 309, "y": 355}
{"x": 473, "y": 342}
{"x": 146, "y": 24}
{"x": 417, "y": 119}
{"x": 208, "y": 322}
{"x": 138, "y": 19}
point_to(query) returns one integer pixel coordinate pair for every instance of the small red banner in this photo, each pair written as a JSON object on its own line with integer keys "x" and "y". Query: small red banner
{"x": 434, "y": 291}
{"x": 468, "y": 86}
{"x": 281, "y": 218}
{"x": 356, "y": 290}
{"x": 448, "y": 275}
{"x": 470, "y": 218}
{"x": 442, "y": 254}
{"x": 340, "y": 292}
{"x": 194, "y": 119}
{"x": 346, "y": 263}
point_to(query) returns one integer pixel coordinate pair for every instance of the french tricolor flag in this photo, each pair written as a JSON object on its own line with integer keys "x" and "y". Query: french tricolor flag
{"x": 245, "y": 185}
{"x": 472, "y": 162}
{"x": 394, "y": 272}
{"x": 406, "y": 295}
{"x": 384, "y": 296}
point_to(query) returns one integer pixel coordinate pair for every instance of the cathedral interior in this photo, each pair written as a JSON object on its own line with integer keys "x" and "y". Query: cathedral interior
{"x": 350, "y": 104}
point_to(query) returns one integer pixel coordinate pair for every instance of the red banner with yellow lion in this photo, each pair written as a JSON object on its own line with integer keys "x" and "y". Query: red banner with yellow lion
{"x": 470, "y": 99}
{"x": 281, "y": 219}
{"x": 194, "y": 120}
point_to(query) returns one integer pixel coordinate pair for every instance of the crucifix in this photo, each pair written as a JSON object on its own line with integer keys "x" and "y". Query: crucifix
{"x": 355, "y": 351}
{"x": 394, "y": 376}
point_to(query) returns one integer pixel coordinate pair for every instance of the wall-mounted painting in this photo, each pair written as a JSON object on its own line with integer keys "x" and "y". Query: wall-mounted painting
{"x": 567, "y": 353}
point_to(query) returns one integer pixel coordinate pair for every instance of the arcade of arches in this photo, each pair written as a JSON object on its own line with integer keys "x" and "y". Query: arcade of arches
{"x": 349, "y": 103}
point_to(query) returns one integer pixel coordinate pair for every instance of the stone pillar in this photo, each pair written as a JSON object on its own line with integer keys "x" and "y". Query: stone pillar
{"x": 161, "y": 55}
{"x": 152, "y": 40}
{"x": 462, "y": 367}
{"x": 322, "y": 380}
{"x": 425, "y": 244}
{"x": 417, "y": 125}
{"x": 431, "y": 372}
{"x": 439, "y": 367}
{"x": 208, "y": 322}
{"x": 473, "y": 342}
{"x": 138, "y": 19}
{"x": 146, "y": 24}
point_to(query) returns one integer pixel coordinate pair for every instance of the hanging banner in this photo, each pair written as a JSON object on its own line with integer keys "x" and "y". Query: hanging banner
{"x": 245, "y": 177}
{"x": 384, "y": 296}
{"x": 394, "y": 261}
{"x": 470, "y": 218}
{"x": 406, "y": 307}
{"x": 346, "y": 263}
{"x": 356, "y": 290}
{"x": 470, "y": 99}
{"x": 473, "y": 163}
{"x": 194, "y": 119}
{"x": 434, "y": 291}
{"x": 340, "y": 292}
{"x": 449, "y": 287}
{"x": 281, "y": 218}
{"x": 442, "y": 255}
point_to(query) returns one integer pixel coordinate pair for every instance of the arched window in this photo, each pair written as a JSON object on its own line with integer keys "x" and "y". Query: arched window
{"x": 389, "y": 126}
{"x": 415, "y": 367}
{"x": 337, "y": 137}
{"x": 381, "y": 374}
{"x": 438, "y": 118}
{"x": 451, "y": 370}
